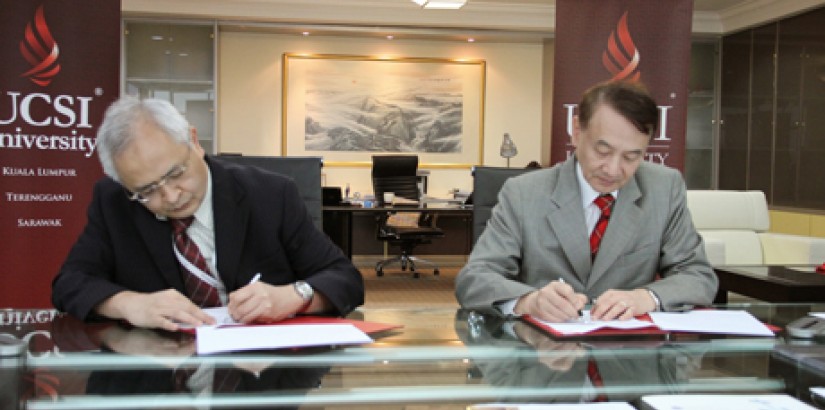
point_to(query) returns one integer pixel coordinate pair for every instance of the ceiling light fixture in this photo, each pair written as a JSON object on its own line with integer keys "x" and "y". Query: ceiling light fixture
{"x": 441, "y": 4}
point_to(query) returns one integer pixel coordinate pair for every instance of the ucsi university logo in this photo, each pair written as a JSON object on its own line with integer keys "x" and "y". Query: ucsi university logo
{"x": 622, "y": 57}
{"x": 40, "y": 50}
{"x": 47, "y": 120}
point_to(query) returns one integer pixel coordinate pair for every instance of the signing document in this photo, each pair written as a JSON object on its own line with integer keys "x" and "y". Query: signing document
{"x": 728, "y": 322}
{"x": 724, "y": 402}
{"x": 228, "y": 335}
{"x": 585, "y": 325}
{"x": 553, "y": 406}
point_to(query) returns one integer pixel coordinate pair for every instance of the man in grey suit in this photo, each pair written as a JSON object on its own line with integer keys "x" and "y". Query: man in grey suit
{"x": 534, "y": 257}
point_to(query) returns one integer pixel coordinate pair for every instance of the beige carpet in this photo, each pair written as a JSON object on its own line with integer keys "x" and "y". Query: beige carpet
{"x": 399, "y": 289}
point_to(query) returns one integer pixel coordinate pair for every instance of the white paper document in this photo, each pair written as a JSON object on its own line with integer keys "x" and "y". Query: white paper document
{"x": 220, "y": 314}
{"x": 553, "y": 406}
{"x": 585, "y": 325}
{"x": 820, "y": 315}
{"x": 215, "y": 339}
{"x": 725, "y": 402}
{"x": 732, "y": 322}
{"x": 818, "y": 392}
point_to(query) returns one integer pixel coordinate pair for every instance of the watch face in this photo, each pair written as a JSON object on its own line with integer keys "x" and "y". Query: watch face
{"x": 304, "y": 290}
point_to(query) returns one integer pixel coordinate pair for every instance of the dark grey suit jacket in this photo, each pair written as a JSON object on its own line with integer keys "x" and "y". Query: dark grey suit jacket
{"x": 537, "y": 234}
{"x": 261, "y": 226}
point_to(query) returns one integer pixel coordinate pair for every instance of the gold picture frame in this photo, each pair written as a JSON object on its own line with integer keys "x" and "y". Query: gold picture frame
{"x": 347, "y": 108}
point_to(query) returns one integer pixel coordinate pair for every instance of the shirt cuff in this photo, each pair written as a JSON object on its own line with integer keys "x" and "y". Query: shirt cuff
{"x": 508, "y": 308}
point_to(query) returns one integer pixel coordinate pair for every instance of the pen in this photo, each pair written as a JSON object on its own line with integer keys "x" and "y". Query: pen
{"x": 581, "y": 314}
{"x": 255, "y": 278}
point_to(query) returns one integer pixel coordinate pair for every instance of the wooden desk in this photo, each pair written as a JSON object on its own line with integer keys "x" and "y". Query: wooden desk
{"x": 339, "y": 223}
{"x": 771, "y": 283}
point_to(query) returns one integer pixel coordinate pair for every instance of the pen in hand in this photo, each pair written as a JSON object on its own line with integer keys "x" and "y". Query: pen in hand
{"x": 255, "y": 278}
{"x": 581, "y": 314}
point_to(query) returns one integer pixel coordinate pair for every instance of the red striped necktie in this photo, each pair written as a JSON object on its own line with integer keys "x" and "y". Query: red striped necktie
{"x": 201, "y": 293}
{"x": 596, "y": 379}
{"x": 605, "y": 203}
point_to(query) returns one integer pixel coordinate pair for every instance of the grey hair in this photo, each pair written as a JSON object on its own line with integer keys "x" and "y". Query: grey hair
{"x": 119, "y": 125}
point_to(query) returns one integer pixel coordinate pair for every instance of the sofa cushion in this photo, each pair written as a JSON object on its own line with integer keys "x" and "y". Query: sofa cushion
{"x": 728, "y": 210}
{"x": 742, "y": 247}
{"x": 782, "y": 249}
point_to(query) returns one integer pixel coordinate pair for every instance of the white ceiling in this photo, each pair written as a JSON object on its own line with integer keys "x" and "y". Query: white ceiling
{"x": 494, "y": 20}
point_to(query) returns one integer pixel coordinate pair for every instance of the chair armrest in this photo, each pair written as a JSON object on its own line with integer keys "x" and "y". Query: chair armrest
{"x": 784, "y": 249}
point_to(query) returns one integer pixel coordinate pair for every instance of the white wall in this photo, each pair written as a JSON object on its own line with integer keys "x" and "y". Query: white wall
{"x": 249, "y": 96}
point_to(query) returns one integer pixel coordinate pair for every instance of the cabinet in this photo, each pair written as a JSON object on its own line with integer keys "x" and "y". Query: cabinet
{"x": 773, "y": 97}
{"x": 174, "y": 62}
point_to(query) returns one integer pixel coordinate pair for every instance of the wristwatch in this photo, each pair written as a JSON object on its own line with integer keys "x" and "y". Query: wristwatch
{"x": 305, "y": 291}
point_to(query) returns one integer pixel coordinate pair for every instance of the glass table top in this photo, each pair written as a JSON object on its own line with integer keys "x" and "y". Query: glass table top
{"x": 440, "y": 359}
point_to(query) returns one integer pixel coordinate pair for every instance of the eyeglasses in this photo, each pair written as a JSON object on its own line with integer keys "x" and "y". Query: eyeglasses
{"x": 146, "y": 193}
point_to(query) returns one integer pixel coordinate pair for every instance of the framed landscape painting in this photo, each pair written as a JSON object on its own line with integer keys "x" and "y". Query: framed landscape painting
{"x": 348, "y": 108}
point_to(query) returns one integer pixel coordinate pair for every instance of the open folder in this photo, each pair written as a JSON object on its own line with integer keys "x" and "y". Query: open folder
{"x": 731, "y": 322}
{"x": 300, "y": 331}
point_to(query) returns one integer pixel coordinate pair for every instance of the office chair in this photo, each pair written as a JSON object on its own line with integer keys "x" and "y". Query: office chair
{"x": 305, "y": 171}
{"x": 397, "y": 174}
{"x": 487, "y": 181}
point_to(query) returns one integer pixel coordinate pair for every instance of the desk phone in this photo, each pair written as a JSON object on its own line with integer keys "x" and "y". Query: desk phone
{"x": 807, "y": 327}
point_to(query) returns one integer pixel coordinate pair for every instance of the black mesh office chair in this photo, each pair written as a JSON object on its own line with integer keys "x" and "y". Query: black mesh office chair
{"x": 397, "y": 174}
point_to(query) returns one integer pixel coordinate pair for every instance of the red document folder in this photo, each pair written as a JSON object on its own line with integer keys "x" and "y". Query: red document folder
{"x": 366, "y": 327}
{"x": 605, "y": 331}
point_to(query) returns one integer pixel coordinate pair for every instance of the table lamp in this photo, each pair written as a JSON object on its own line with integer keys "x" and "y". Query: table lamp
{"x": 508, "y": 148}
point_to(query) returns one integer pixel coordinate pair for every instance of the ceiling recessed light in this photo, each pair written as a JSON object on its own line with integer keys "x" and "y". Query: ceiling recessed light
{"x": 471, "y": 40}
{"x": 441, "y": 4}
{"x": 390, "y": 37}
{"x": 305, "y": 33}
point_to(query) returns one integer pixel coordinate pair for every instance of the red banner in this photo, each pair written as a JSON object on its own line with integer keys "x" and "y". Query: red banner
{"x": 59, "y": 73}
{"x": 644, "y": 40}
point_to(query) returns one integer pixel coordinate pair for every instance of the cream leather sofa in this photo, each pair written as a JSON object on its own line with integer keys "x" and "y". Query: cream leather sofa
{"x": 734, "y": 225}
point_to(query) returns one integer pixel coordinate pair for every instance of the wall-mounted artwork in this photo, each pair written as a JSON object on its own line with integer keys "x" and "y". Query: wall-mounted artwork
{"x": 348, "y": 108}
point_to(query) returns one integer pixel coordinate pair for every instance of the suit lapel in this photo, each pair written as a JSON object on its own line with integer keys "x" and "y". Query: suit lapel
{"x": 231, "y": 212}
{"x": 567, "y": 220}
{"x": 625, "y": 223}
{"x": 157, "y": 236}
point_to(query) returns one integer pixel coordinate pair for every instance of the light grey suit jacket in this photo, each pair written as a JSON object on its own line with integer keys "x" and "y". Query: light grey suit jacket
{"x": 537, "y": 234}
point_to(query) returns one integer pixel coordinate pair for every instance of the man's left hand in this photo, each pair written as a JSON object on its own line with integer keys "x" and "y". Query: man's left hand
{"x": 622, "y": 304}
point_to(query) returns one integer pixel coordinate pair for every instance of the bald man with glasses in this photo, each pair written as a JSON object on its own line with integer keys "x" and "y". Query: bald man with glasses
{"x": 172, "y": 230}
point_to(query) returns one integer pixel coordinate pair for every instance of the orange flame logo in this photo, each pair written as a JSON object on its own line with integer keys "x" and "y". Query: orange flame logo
{"x": 40, "y": 50}
{"x": 622, "y": 57}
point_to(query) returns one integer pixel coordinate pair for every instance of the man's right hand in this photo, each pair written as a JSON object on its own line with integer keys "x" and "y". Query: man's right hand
{"x": 165, "y": 309}
{"x": 556, "y": 302}
{"x": 557, "y": 355}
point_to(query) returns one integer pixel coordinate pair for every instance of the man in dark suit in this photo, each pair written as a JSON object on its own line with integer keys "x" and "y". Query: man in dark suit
{"x": 259, "y": 253}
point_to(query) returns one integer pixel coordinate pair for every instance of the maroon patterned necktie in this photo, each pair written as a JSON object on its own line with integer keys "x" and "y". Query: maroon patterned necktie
{"x": 201, "y": 293}
{"x": 604, "y": 202}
